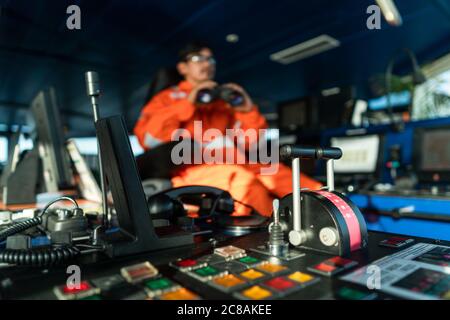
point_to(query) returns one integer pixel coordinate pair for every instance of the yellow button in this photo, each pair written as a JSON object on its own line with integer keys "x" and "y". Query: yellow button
{"x": 180, "y": 294}
{"x": 271, "y": 268}
{"x": 446, "y": 295}
{"x": 256, "y": 293}
{"x": 252, "y": 274}
{"x": 300, "y": 277}
{"x": 228, "y": 281}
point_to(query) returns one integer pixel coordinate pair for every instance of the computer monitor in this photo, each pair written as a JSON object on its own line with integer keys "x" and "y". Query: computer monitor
{"x": 334, "y": 107}
{"x": 432, "y": 98}
{"x": 400, "y": 101}
{"x": 57, "y": 173}
{"x": 432, "y": 154}
{"x": 295, "y": 114}
{"x": 361, "y": 154}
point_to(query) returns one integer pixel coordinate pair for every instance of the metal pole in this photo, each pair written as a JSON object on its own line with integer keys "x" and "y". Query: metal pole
{"x": 296, "y": 194}
{"x": 93, "y": 90}
{"x": 330, "y": 174}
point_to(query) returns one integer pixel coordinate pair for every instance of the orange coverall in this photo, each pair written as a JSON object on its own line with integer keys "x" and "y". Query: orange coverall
{"x": 170, "y": 110}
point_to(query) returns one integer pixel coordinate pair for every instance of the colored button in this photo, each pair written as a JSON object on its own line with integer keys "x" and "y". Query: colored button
{"x": 300, "y": 277}
{"x": 325, "y": 267}
{"x": 256, "y": 293}
{"x": 249, "y": 260}
{"x": 84, "y": 289}
{"x": 180, "y": 294}
{"x": 229, "y": 281}
{"x": 159, "y": 284}
{"x": 186, "y": 263}
{"x": 280, "y": 284}
{"x": 139, "y": 272}
{"x": 339, "y": 261}
{"x": 351, "y": 294}
{"x": 446, "y": 295}
{"x": 84, "y": 286}
{"x": 230, "y": 252}
{"x": 252, "y": 274}
{"x": 271, "y": 268}
{"x": 207, "y": 271}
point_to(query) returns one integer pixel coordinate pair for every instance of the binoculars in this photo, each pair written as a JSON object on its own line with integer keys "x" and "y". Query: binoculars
{"x": 231, "y": 96}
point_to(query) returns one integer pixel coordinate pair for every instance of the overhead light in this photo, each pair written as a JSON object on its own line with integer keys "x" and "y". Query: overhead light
{"x": 232, "y": 38}
{"x": 331, "y": 91}
{"x": 390, "y": 12}
{"x": 305, "y": 49}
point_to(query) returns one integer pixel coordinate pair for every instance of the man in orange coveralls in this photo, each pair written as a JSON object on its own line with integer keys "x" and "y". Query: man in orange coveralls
{"x": 175, "y": 108}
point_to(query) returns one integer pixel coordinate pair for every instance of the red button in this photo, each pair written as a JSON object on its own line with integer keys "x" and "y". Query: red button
{"x": 339, "y": 261}
{"x": 280, "y": 284}
{"x": 325, "y": 267}
{"x": 186, "y": 263}
{"x": 84, "y": 286}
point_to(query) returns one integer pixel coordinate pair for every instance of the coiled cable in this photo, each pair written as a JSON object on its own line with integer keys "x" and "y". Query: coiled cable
{"x": 40, "y": 256}
{"x": 19, "y": 227}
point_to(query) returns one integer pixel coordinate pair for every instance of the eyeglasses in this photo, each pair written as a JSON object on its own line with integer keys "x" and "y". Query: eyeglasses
{"x": 200, "y": 58}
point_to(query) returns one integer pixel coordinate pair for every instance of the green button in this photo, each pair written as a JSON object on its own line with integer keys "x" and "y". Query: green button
{"x": 94, "y": 297}
{"x": 207, "y": 271}
{"x": 249, "y": 260}
{"x": 159, "y": 284}
{"x": 351, "y": 294}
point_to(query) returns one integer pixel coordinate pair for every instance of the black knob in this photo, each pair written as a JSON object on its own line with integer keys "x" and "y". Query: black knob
{"x": 288, "y": 152}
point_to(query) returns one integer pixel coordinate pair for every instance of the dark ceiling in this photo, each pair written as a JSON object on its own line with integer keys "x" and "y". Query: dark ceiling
{"x": 126, "y": 41}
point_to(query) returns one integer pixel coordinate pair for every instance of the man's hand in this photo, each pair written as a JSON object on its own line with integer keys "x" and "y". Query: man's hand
{"x": 248, "y": 103}
{"x": 204, "y": 85}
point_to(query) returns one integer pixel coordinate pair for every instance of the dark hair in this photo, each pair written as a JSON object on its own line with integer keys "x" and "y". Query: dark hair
{"x": 163, "y": 79}
{"x": 167, "y": 77}
{"x": 191, "y": 48}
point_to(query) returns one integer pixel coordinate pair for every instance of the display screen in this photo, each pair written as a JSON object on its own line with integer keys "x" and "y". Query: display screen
{"x": 3, "y": 149}
{"x": 435, "y": 150}
{"x": 432, "y": 98}
{"x": 398, "y": 99}
{"x": 359, "y": 154}
{"x": 294, "y": 114}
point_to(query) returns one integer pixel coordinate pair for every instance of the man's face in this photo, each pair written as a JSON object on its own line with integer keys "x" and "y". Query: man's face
{"x": 198, "y": 67}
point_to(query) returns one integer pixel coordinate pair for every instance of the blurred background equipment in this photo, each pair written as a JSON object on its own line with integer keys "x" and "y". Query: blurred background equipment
{"x": 51, "y": 143}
